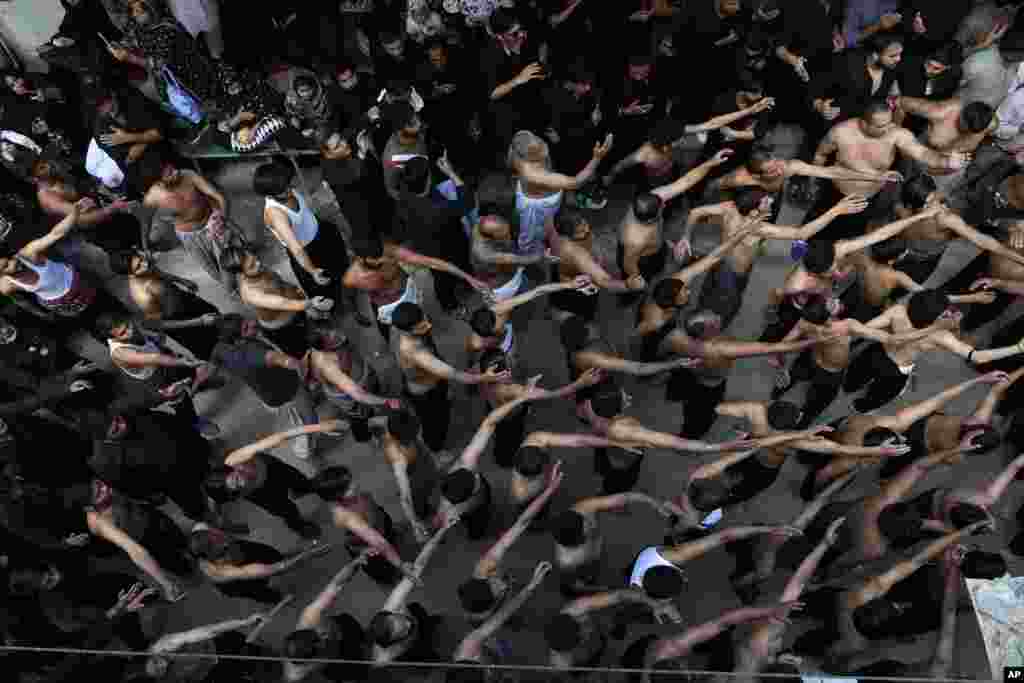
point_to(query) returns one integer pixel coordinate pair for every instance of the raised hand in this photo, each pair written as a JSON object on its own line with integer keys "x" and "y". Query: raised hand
{"x": 995, "y": 377}
{"x": 851, "y": 204}
{"x": 984, "y": 283}
{"x": 784, "y": 532}
{"x": 555, "y": 475}
{"x": 592, "y": 377}
{"x": 601, "y": 149}
{"x": 541, "y": 571}
{"x": 531, "y": 72}
{"x": 782, "y": 612}
{"x": 636, "y": 283}
{"x": 763, "y": 104}
{"x": 721, "y": 157}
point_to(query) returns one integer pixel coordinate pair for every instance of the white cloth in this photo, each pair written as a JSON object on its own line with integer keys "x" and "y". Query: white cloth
{"x": 136, "y": 373}
{"x": 510, "y": 288}
{"x": 1009, "y": 134}
{"x": 20, "y": 140}
{"x": 650, "y": 557}
{"x": 54, "y": 279}
{"x": 102, "y": 167}
{"x": 411, "y": 294}
{"x": 194, "y": 15}
{"x": 534, "y": 213}
{"x": 303, "y": 222}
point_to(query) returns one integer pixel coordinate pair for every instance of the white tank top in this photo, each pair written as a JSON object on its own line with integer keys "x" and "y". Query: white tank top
{"x": 134, "y": 373}
{"x": 303, "y": 221}
{"x": 54, "y": 279}
{"x": 650, "y": 557}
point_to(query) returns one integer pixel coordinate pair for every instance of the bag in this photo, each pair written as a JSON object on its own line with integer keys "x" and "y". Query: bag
{"x": 181, "y": 100}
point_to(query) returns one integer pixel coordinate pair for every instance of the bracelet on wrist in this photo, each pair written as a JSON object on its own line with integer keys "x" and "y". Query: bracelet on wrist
{"x": 970, "y": 356}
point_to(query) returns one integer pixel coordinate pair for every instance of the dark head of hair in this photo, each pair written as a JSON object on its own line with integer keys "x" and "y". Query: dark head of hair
{"x": 207, "y": 545}
{"x": 383, "y": 630}
{"x": 925, "y": 307}
{"x": 662, "y": 582}
{"x": 816, "y": 312}
{"x": 820, "y": 257}
{"x": 531, "y": 461}
{"x": 406, "y": 316}
{"x": 415, "y": 175}
{"x": 977, "y": 564}
{"x": 888, "y": 250}
{"x": 702, "y": 324}
{"x": 916, "y": 190}
{"x": 876, "y": 436}
{"x": 304, "y": 81}
{"x": 404, "y": 426}
{"x": 577, "y": 72}
{"x": 303, "y": 643}
{"x": 106, "y": 322}
{"x": 646, "y": 207}
{"x": 273, "y": 179}
{"x": 332, "y": 482}
{"x": 949, "y": 54}
{"x": 665, "y": 292}
{"x": 458, "y": 486}
{"x": 872, "y": 617}
{"x": 398, "y": 114}
{"x": 876, "y": 105}
{"x": 665, "y": 132}
{"x": 607, "y": 404}
{"x": 567, "y": 528}
{"x": 749, "y": 198}
{"x": 707, "y": 494}
{"x": 25, "y": 579}
{"x": 986, "y": 438}
{"x": 882, "y": 41}
{"x": 783, "y": 415}
{"x": 229, "y": 327}
{"x": 966, "y": 514}
{"x": 574, "y": 333}
{"x": 760, "y": 154}
{"x": 231, "y": 259}
{"x": 483, "y": 321}
{"x": 121, "y": 261}
{"x": 567, "y": 221}
{"x": 493, "y": 358}
{"x": 476, "y": 595}
{"x": 503, "y": 20}
{"x": 216, "y": 484}
{"x": 900, "y": 523}
{"x": 976, "y": 117}
{"x": 562, "y": 633}
{"x": 750, "y": 83}
{"x": 368, "y": 246}
{"x": 640, "y": 59}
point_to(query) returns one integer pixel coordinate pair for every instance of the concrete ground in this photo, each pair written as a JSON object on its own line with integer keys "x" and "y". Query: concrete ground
{"x": 709, "y": 594}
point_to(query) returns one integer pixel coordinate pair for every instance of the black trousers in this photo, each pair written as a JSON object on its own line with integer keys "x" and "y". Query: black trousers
{"x": 699, "y": 401}
{"x": 327, "y": 251}
{"x": 508, "y": 437}
{"x": 873, "y": 368}
{"x": 273, "y": 495}
{"x": 786, "y": 315}
{"x": 434, "y": 409}
{"x": 823, "y": 389}
{"x": 617, "y": 479}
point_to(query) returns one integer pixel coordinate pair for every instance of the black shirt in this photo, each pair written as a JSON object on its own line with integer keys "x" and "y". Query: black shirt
{"x": 447, "y": 91}
{"x": 848, "y": 83}
{"x": 703, "y": 30}
{"x": 359, "y": 186}
{"x": 807, "y": 27}
{"x": 497, "y": 67}
{"x": 570, "y": 115}
{"x": 941, "y": 19}
{"x": 350, "y": 106}
{"x": 246, "y": 359}
{"x": 914, "y": 82}
{"x": 134, "y": 114}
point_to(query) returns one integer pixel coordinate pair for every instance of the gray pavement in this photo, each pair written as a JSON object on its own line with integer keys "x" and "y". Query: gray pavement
{"x": 243, "y": 420}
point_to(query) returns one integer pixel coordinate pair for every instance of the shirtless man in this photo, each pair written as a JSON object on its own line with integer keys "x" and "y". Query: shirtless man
{"x": 642, "y": 249}
{"x": 885, "y": 368}
{"x": 117, "y": 227}
{"x": 824, "y": 365}
{"x": 824, "y": 266}
{"x": 870, "y": 144}
{"x": 426, "y": 376}
{"x": 493, "y": 251}
{"x": 200, "y": 213}
{"x": 725, "y": 285}
{"x": 953, "y": 126}
{"x": 572, "y": 242}
{"x": 384, "y": 270}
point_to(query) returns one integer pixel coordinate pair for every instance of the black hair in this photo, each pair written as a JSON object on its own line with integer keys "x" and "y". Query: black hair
{"x": 641, "y": 59}
{"x": 663, "y": 582}
{"x": 665, "y": 292}
{"x": 816, "y": 312}
{"x": 977, "y": 564}
{"x": 900, "y": 523}
{"x": 406, "y": 316}
{"x": 531, "y": 461}
{"x": 750, "y": 83}
{"x": 567, "y": 528}
{"x": 760, "y": 154}
{"x": 205, "y": 545}
{"x": 976, "y": 116}
{"x": 820, "y": 257}
{"x": 749, "y": 198}
{"x": 503, "y": 20}
{"x": 567, "y": 221}
{"x": 697, "y": 325}
{"x": 216, "y": 484}
{"x": 389, "y": 36}
{"x": 304, "y": 81}
{"x": 925, "y": 307}
{"x": 916, "y": 190}
{"x": 318, "y": 336}
{"x": 948, "y": 54}
{"x": 404, "y": 426}
{"x": 646, "y": 207}
{"x": 332, "y": 482}
{"x": 476, "y": 595}
{"x": 562, "y": 633}
{"x": 381, "y": 631}
{"x": 665, "y": 132}
{"x": 881, "y": 41}
{"x": 106, "y": 322}
{"x": 493, "y": 358}
{"x": 483, "y": 322}
{"x": 966, "y": 514}
{"x": 888, "y": 250}
{"x": 458, "y": 486}
{"x": 876, "y": 436}
{"x": 368, "y": 246}
{"x": 121, "y": 261}
{"x": 876, "y": 105}
{"x": 415, "y": 175}
{"x": 303, "y": 643}
{"x": 986, "y": 441}
{"x": 273, "y": 179}
{"x": 574, "y": 333}
{"x": 229, "y": 327}
{"x": 707, "y": 494}
{"x": 607, "y": 404}
{"x": 871, "y": 618}
{"x": 783, "y": 415}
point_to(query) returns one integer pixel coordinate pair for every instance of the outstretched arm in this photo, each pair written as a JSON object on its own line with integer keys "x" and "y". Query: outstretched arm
{"x": 406, "y": 255}
{"x": 469, "y": 648}
{"x": 942, "y": 660}
{"x": 359, "y": 527}
{"x": 954, "y": 222}
{"x": 902, "y": 421}
{"x": 176, "y": 641}
{"x": 400, "y": 594}
{"x": 504, "y": 308}
{"x": 951, "y": 342}
{"x": 847, "y": 247}
{"x": 246, "y": 453}
{"x": 684, "y": 184}
{"x": 683, "y": 644}
{"x": 714, "y": 258}
{"x": 470, "y": 457}
{"x": 681, "y": 554}
{"x": 314, "y": 612}
{"x": 725, "y": 119}
{"x": 999, "y": 485}
{"x": 809, "y": 566}
{"x": 848, "y": 205}
{"x": 985, "y": 410}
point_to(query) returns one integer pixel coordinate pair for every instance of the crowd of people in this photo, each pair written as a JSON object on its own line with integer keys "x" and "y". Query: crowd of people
{"x": 911, "y": 120}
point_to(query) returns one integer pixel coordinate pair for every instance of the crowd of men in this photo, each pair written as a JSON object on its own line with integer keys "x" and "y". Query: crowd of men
{"x": 911, "y": 117}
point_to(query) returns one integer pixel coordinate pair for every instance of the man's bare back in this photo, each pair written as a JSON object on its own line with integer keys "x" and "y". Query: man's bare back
{"x": 859, "y": 152}
{"x": 191, "y": 207}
